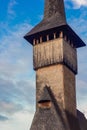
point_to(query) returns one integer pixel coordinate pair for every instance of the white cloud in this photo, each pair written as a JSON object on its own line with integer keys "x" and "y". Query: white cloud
{"x": 76, "y": 4}
{"x": 14, "y": 92}
{"x": 11, "y": 5}
{"x": 9, "y": 108}
{"x": 79, "y": 3}
{"x": 16, "y": 78}
{"x": 24, "y": 118}
{"x": 14, "y": 52}
{"x": 20, "y": 121}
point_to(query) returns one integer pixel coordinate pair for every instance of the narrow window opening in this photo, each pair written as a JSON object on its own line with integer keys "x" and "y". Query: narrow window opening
{"x": 51, "y": 36}
{"x": 44, "y": 104}
{"x": 44, "y": 39}
{"x": 57, "y": 35}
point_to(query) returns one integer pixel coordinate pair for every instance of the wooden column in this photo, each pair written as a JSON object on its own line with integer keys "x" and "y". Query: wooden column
{"x": 34, "y": 41}
{"x": 54, "y": 35}
{"x": 47, "y": 37}
{"x": 37, "y": 41}
{"x": 61, "y": 34}
{"x": 41, "y": 39}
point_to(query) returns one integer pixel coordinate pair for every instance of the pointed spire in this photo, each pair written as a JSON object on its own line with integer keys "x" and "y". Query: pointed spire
{"x": 54, "y": 7}
{"x": 54, "y": 21}
{"x": 54, "y": 17}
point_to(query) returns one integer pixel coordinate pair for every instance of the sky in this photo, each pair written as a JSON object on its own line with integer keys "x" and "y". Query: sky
{"x": 17, "y": 78}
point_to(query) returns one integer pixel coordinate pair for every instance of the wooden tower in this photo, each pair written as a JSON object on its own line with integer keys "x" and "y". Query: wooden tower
{"x": 55, "y": 62}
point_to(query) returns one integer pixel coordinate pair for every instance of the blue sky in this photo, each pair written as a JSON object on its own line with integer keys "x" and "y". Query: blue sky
{"x": 17, "y": 78}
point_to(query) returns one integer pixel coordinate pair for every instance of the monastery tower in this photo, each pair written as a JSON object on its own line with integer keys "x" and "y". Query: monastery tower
{"x": 55, "y": 62}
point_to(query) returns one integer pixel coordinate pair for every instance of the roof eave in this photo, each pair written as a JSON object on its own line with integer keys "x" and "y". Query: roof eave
{"x": 77, "y": 41}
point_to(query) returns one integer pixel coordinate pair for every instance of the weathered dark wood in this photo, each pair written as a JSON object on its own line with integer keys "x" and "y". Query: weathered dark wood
{"x": 54, "y": 19}
{"x": 53, "y": 7}
{"x": 57, "y": 51}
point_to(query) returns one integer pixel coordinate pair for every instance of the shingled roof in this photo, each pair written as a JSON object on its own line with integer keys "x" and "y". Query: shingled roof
{"x": 54, "y": 20}
{"x": 82, "y": 120}
{"x": 54, "y": 16}
{"x": 55, "y": 118}
{"x": 49, "y": 118}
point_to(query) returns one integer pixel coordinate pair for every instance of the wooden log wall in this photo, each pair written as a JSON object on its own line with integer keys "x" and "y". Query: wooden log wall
{"x": 54, "y": 52}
